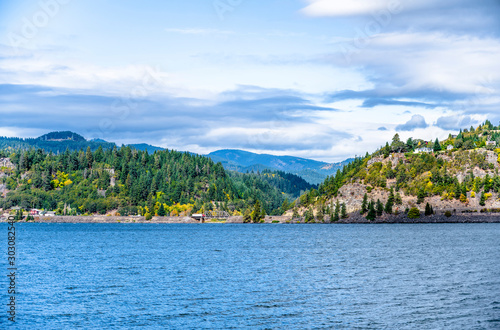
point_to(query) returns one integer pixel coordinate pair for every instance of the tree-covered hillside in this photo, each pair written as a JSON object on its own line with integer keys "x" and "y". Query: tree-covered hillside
{"x": 55, "y": 142}
{"x": 460, "y": 171}
{"x": 132, "y": 181}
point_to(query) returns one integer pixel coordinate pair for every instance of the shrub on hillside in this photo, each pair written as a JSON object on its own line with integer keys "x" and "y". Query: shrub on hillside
{"x": 414, "y": 213}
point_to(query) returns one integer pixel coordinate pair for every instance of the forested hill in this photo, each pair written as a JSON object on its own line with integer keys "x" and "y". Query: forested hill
{"x": 56, "y": 142}
{"x": 131, "y": 181}
{"x": 458, "y": 173}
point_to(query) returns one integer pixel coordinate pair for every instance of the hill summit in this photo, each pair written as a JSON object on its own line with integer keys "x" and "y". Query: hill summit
{"x": 62, "y": 136}
{"x": 459, "y": 174}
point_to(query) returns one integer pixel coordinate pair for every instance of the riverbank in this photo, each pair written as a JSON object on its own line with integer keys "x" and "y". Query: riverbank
{"x": 353, "y": 218}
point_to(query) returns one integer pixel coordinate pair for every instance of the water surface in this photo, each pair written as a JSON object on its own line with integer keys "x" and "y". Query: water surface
{"x": 424, "y": 276}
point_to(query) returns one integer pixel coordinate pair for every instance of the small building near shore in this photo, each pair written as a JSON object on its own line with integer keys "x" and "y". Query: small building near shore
{"x": 35, "y": 212}
{"x": 199, "y": 217}
{"x": 48, "y": 213}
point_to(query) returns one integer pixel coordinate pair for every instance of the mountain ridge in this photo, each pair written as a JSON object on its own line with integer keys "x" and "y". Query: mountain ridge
{"x": 313, "y": 171}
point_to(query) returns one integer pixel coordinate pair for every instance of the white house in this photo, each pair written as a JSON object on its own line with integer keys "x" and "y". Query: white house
{"x": 491, "y": 143}
{"x": 424, "y": 149}
{"x": 48, "y": 213}
{"x": 449, "y": 147}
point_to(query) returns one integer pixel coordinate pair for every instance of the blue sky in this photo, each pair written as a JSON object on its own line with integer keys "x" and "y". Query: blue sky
{"x": 322, "y": 79}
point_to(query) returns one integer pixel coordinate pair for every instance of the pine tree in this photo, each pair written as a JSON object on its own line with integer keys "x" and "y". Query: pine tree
{"x": 390, "y": 202}
{"x": 161, "y": 210}
{"x": 364, "y": 204}
{"x": 398, "y": 200}
{"x": 343, "y": 212}
{"x": 46, "y": 185}
{"x": 437, "y": 146}
{"x": 428, "y": 209}
{"x": 372, "y": 214}
{"x": 420, "y": 196}
{"x": 337, "y": 207}
{"x": 380, "y": 208}
{"x": 320, "y": 214}
{"x": 309, "y": 215}
{"x": 247, "y": 216}
{"x": 336, "y": 215}
{"x": 388, "y": 207}
{"x": 89, "y": 157}
{"x": 458, "y": 191}
{"x": 482, "y": 201}
{"x": 256, "y": 216}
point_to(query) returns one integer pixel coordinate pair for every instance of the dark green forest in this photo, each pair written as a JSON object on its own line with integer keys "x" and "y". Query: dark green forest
{"x": 55, "y": 142}
{"x": 133, "y": 181}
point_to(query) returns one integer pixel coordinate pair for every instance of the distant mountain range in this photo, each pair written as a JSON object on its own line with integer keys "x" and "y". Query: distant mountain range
{"x": 312, "y": 171}
{"x": 241, "y": 161}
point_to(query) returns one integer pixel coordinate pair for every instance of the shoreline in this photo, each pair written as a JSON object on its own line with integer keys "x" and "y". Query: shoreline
{"x": 353, "y": 219}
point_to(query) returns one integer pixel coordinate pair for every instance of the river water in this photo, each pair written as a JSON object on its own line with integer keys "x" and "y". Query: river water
{"x": 420, "y": 276}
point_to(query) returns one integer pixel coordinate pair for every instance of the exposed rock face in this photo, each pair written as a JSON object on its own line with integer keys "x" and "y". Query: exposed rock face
{"x": 492, "y": 158}
{"x": 375, "y": 160}
{"x": 394, "y": 159}
{"x": 5, "y": 162}
{"x": 3, "y": 190}
{"x": 352, "y": 195}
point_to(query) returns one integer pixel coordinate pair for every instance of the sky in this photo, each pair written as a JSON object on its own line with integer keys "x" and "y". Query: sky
{"x": 320, "y": 79}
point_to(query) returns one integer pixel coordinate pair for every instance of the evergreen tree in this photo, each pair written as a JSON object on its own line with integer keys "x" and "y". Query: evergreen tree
{"x": 482, "y": 201}
{"x": 420, "y": 196}
{"x": 256, "y": 213}
{"x": 320, "y": 214}
{"x": 458, "y": 191}
{"x": 309, "y": 215}
{"x": 89, "y": 157}
{"x": 161, "y": 210}
{"x": 380, "y": 208}
{"x": 372, "y": 214}
{"x": 428, "y": 209}
{"x": 398, "y": 200}
{"x": 388, "y": 207}
{"x": 247, "y": 216}
{"x": 46, "y": 185}
{"x": 336, "y": 217}
{"x": 364, "y": 204}
{"x": 390, "y": 202}
{"x": 437, "y": 146}
{"x": 343, "y": 212}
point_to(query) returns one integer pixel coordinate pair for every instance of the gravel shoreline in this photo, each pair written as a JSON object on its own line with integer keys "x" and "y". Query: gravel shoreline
{"x": 353, "y": 218}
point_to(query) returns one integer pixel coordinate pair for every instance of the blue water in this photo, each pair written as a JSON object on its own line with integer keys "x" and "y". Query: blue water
{"x": 425, "y": 276}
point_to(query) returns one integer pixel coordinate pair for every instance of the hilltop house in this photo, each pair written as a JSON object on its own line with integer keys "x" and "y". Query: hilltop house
{"x": 491, "y": 143}
{"x": 449, "y": 147}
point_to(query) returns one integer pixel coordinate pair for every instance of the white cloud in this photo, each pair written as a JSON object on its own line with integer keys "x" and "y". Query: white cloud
{"x": 412, "y": 61}
{"x": 342, "y": 7}
{"x": 196, "y": 31}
